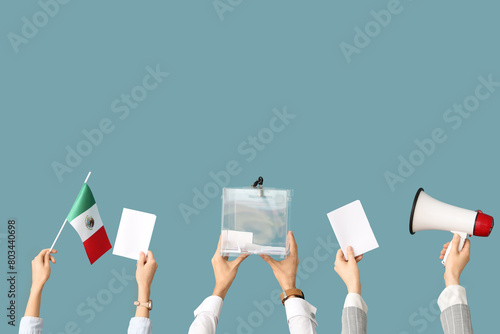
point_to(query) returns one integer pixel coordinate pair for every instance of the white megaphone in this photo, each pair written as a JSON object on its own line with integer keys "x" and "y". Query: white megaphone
{"x": 428, "y": 213}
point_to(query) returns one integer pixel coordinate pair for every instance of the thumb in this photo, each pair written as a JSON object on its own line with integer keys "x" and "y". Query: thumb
{"x": 142, "y": 259}
{"x": 240, "y": 259}
{"x": 268, "y": 259}
{"x": 46, "y": 258}
{"x": 350, "y": 254}
{"x": 455, "y": 242}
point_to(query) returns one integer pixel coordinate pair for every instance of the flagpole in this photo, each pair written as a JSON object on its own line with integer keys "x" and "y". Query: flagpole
{"x": 65, "y": 221}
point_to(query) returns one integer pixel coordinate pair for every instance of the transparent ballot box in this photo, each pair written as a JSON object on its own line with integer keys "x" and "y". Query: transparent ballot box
{"x": 255, "y": 221}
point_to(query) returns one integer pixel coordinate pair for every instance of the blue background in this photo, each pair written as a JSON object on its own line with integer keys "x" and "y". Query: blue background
{"x": 352, "y": 122}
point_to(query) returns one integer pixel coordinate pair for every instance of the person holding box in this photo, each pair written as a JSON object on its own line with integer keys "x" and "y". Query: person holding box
{"x": 300, "y": 314}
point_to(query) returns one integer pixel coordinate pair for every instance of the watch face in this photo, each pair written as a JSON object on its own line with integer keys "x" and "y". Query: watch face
{"x": 150, "y": 304}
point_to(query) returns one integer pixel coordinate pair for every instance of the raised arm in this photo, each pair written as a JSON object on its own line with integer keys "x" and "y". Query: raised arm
{"x": 144, "y": 274}
{"x": 40, "y": 273}
{"x": 455, "y": 313}
{"x": 208, "y": 313}
{"x": 301, "y": 315}
{"x": 354, "y": 320}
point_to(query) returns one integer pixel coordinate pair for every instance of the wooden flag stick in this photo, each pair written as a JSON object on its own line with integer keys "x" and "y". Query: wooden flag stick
{"x": 65, "y": 221}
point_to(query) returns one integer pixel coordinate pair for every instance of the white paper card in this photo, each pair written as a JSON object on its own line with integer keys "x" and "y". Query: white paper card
{"x": 352, "y": 228}
{"x": 236, "y": 239}
{"x": 134, "y": 233}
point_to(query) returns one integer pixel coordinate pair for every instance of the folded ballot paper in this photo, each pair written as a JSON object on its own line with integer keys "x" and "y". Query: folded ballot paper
{"x": 352, "y": 228}
{"x": 254, "y": 221}
{"x": 134, "y": 233}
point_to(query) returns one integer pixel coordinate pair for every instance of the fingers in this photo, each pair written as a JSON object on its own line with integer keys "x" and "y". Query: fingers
{"x": 42, "y": 253}
{"x": 466, "y": 245}
{"x": 359, "y": 258}
{"x": 466, "y": 248}
{"x": 293, "y": 244}
{"x": 151, "y": 261}
{"x": 150, "y": 257}
{"x": 217, "y": 252}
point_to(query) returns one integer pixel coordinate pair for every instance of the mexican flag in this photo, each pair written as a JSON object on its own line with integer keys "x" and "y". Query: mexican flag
{"x": 85, "y": 218}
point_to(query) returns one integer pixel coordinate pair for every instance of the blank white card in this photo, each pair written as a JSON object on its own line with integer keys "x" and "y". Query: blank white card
{"x": 352, "y": 228}
{"x": 134, "y": 233}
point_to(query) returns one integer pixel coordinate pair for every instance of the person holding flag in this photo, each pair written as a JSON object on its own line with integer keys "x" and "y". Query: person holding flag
{"x": 40, "y": 267}
{"x": 84, "y": 217}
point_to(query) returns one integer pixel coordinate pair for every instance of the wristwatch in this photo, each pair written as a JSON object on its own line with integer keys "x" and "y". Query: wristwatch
{"x": 148, "y": 304}
{"x": 289, "y": 293}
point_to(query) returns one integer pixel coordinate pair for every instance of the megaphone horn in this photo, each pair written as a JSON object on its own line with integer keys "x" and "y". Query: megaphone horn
{"x": 428, "y": 213}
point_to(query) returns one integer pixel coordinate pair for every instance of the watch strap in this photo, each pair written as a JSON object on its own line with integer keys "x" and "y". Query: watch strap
{"x": 147, "y": 304}
{"x": 289, "y": 293}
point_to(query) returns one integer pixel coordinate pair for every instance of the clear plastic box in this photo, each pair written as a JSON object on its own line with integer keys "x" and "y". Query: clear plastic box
{"x": 255, "y": 221}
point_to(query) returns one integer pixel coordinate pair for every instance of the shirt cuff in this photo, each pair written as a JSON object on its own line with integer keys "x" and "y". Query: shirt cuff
{"x": 452, "y": 295}
{"x": 31, "y": 325}
{"x": 355, "y": 300}
{"x": 299, "y": 307}
{"x": 212, "y": 304}
{"x": 140, "y": 325}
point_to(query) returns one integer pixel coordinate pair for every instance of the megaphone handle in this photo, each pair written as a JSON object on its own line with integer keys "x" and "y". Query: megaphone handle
{"x": 463, "y": 236}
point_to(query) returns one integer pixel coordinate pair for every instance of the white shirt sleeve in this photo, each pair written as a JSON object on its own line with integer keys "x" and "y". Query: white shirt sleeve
{"x": 452, "y": 295}
{"x": 140, "y": 325}
{"x": 31, "y": 325}
{"x": 301, "y": 316}
{"x": 354, "y": 299}
{"x": 206, "y": 316}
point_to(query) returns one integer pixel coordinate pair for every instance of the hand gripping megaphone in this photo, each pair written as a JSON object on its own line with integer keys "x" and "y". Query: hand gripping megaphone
{"x": 428, "y": 213}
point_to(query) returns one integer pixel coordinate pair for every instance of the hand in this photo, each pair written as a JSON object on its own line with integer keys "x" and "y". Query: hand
{"x": 285, "y": 270}
{"x": 348, "y": 270}
{"x": 40, "y": 268}
{"x": 146, "y": 269}
{"x": 456, "y": 260}
{"x": 224, "y": 271}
